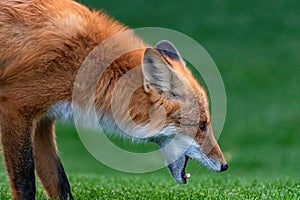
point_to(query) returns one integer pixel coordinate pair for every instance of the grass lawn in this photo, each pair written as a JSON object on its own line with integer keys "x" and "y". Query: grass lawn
{"x": 152, "y": 186}
{"x": 255, "y": 45}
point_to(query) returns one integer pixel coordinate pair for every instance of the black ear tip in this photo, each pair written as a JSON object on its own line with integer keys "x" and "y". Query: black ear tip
{"x": 166, "y": 48}
{"x": 165, "y": 43}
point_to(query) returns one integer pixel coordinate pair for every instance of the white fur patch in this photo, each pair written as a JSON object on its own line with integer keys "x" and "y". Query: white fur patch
{"x": 65, "y": 112}
{"x": 62, "y": 111}
{"x": 70, "y": 113}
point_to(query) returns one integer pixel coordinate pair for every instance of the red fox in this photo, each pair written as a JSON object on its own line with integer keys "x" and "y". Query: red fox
{"x": 43, "y": 44}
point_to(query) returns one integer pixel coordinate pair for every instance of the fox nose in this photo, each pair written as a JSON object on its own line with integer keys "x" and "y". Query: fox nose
{"x": 224, "y": 167}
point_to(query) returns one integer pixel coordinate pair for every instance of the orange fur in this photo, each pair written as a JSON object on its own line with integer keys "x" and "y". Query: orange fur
{"x": 43, "y": 44}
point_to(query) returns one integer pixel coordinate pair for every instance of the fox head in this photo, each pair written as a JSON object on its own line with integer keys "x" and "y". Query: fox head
{"x": 162, "y": 102}
{"x": 187, "y": 129}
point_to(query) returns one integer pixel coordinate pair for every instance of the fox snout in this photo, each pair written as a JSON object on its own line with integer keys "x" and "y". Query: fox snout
{"x": 213, "y": 157}
{"x": 217, "y": 155}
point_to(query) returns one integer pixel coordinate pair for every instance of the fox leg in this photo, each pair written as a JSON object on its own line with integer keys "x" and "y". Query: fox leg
{"x": 47, "y": 162}
{"x": 16, "y": 137}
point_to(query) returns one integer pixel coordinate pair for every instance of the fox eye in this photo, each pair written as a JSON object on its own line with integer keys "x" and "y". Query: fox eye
{"x": 202, "y": 126}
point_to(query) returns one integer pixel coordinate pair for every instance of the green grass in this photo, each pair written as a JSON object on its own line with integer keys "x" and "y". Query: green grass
{"x": 151, "y": 186}
{"x": 255, "y": 45}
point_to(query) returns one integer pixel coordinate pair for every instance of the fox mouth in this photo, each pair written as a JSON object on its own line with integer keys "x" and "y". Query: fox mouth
{"x": 185, "y": 175}
{"x": 177, "y": 169}
{"x": 177, "y": 162}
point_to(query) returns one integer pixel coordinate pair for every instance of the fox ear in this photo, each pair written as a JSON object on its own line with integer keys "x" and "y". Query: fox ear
{"x": 158, "y": 74}
{"x": 168, "y": 49}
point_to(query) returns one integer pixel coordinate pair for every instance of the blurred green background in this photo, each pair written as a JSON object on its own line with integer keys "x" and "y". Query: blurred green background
{"x": 256, "y": 46}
